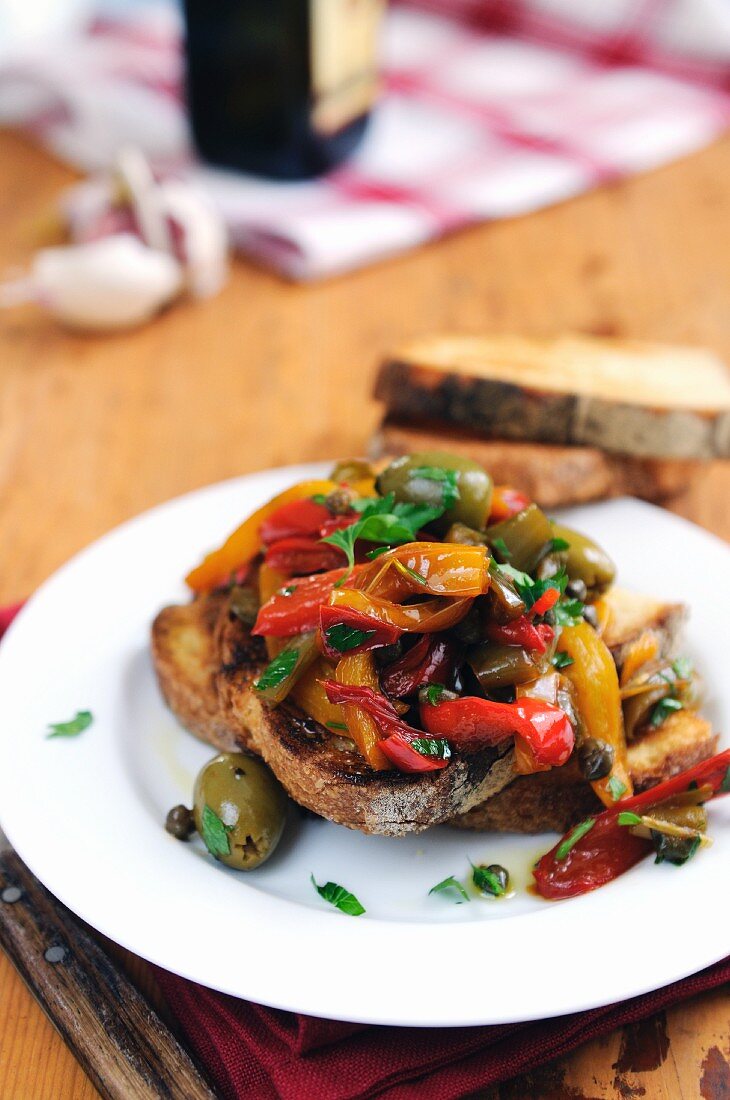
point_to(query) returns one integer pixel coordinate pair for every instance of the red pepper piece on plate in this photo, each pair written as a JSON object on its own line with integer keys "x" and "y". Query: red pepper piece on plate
{"x": 583, "y": 861}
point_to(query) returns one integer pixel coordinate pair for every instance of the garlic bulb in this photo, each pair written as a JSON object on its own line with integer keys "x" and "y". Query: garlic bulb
{"x": 112, "y": 283}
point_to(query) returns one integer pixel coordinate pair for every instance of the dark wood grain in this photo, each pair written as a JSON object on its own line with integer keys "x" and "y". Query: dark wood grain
{"x": 122, "y": 1044}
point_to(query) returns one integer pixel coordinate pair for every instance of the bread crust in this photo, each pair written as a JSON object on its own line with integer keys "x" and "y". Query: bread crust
{"x": 215, "y": 701}
{"x": 622, "y": 396}
{"x": 552, "y": 475}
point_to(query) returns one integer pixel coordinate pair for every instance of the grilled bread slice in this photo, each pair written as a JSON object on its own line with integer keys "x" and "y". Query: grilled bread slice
{"x": 549, "y": 473}
{"x": 634, "y": 398}
{"x": 557, "y": 799}
{"x": 206, "y": 661}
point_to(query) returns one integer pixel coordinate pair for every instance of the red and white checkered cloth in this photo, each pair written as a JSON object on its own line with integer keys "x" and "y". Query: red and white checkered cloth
{"x": 497, "y": 108}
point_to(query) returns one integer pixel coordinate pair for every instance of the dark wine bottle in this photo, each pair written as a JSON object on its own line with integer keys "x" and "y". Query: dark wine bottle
{"x": 280, "y": 88}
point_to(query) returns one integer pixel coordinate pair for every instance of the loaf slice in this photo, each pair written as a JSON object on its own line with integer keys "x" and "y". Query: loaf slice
{"x": 206, "y": 661}
{"x": 630, "y": 397}
{"x": 549, "y": 473}
{"x": 555, "y": 800}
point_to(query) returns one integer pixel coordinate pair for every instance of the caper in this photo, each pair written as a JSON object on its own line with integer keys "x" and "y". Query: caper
{"x": 674, "y": 849}
{"x": 179, "y": 822}
{"x": 424, "y": 479}
{"x": 576, "y": 589}
{"x": 493, "y": 879}
{"x": 339, "y": 501}
{"x": 595, "y": 759}
{"x": 240, "y": 810}
{"x": 586, "y": 560}
{"x": 244, "y": 603}
{"x": 590, "y": 615}
{"x": 348, "y": 470}
{"x": 469, "y": 629}
{"x": 465, "y": 536}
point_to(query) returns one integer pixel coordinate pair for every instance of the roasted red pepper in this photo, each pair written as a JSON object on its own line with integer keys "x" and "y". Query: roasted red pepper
{"x": 430, "y": 661}
{"x": 302, "y": 556}
{"x": 397, "y": 743}
{"x": 548, "y": 599}
{"x": 607, "y": 849}
{"x": 296, "y": 519}
{"x": 294, "y": 609}
{"x": 506, "y": 502}
{"x": 519, "y": 632}
{"x": 336, "y": 642}
{"x": 471, "y": 723}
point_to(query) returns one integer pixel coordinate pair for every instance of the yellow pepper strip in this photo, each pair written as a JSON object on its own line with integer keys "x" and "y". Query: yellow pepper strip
{"x": 240, "y": 547}
{"x": 645, "y": 648}
{"x": 309, "y": 694}
{"x": 417, "y": 618}
{"x": 595, "y": 680}
{"x": 359, "y": 668}
{"x": 444, "y": 569}
{"x": 270, "y": 581}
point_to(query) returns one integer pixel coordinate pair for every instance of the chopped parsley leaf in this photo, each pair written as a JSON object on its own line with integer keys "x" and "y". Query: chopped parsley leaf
{"x": 616, "y": 787}
{"x": 338, "y": 896}
{"x": 215, "y": 833}
{"x": 568, "y": 612}
{"x": 434, "y": 692}
{"x": 80, "y": 722}
{"x": 337, "y": 726}
{"x": 408, "y": 572}
{"x": 725, "y": 785}
{"x": 447, "y": 478}
{"x": 278, "y": 669}
{"x": 382, "y": 520}
{"x": 343, "y": 638}
{"x": 558, "y": 544}
{"x": 663, "y": 709}
{"x": 627, "y": 817}
{"x": 502, "y": 548}
{"x": 682, "y": 668}
{"x": 432, "y": 746}
{"x": 450, "y": 883}
{"x": 573, "y": 837}
{"x": 562, "y": 659}
{"x": 489, "y": 882}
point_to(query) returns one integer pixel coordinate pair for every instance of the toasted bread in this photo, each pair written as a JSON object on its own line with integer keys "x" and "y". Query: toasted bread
{"x": 631, "y": 614}
{"x": 206, "y": 661}
{"x": 550, "y": 474}
{"x": 557, "y": 799}
{"x": 624, "y": 396}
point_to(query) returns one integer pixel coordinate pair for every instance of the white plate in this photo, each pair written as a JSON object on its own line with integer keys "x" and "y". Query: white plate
{"x": 87, "y": 814}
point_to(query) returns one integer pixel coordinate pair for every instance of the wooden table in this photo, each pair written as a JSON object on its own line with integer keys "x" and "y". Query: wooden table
{"x": 92, "y": 430}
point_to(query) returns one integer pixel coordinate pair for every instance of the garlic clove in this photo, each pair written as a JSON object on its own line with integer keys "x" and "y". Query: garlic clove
{"x": 199, "y": 236}
{"x": 112, "y": 283}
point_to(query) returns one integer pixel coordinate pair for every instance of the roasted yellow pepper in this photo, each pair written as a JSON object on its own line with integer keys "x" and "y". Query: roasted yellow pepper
{"x": 359, "y": 668}
{"x": 598, "y": 699}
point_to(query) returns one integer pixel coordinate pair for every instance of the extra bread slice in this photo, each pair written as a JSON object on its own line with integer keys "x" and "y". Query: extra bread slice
{"x": 630, "y": 397}
{"x": 557, "y": 799}
{"x": 548, "y": 473}
{"x": 206, "y": 661}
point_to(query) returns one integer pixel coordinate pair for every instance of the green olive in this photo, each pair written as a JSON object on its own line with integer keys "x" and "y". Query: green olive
{"x": 465, "y": 536}
{"x": 586, "y": 561}
{"x": 521, "y": 540}
{"x": 239, "y": 809}
{"x": 348, "y": 470}
{"x": 424, "y": 479}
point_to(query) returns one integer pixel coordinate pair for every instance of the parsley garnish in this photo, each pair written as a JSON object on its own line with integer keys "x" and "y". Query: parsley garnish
{"x": 447, "y": 479}
{"x": 574, "y": 836}
{"x": 377, "y": 552}
{"x": 278, "y": 669}
{"x": 338, "y": 896}
{"x": 682, "y": 668}
{"x": 288, "y": 591}
{"x": 337, "y": 726}
{"x": 558, "y": 544}
{"x": 568, "y": 612}
{"x": 343, "y": 638}
{"x": 382, "y": 520}
{"x": 319, "y": 498}
{"x": 616, "y": 787}
{"x": 432, "y": 746}
{"x": 627, "y": 817}
{"x": 434, "y": 692}
{"x": 663, "y": 709}
{"x": 77, "y": 725}
{"x": 531, "y": 590}
{"x": 408, "y": 572}
{"x": 562, "y": 659}
{"x": 502, "y": 548}
{"x": 450, "y": 883}
{"x": 725, "y": 785}
{"x": 488, "y": 881}
{"x": 215, "y": 833}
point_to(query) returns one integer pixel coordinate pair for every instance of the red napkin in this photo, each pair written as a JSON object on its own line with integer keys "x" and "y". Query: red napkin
{"x": 261, "y": 1053}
